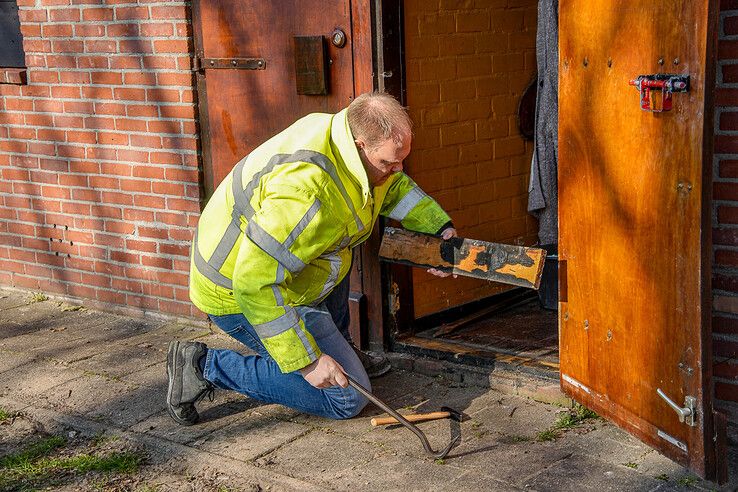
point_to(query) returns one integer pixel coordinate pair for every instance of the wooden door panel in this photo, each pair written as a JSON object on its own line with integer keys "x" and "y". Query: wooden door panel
{"x": 633, "y": 236}
{"x": 246, "y": 107}
{"x": 241, "y": 108}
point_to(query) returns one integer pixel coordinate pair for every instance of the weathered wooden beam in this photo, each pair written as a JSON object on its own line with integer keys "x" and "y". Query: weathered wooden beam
{"x": 514, "y": 265}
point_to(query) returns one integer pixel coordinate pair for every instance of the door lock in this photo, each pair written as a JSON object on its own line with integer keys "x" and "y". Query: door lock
{"x": 688, "y": 413}
{"x": 338, "y": 38}
{"x": 666, "y": 83}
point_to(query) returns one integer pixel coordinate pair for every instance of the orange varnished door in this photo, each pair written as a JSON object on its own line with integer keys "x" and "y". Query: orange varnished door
{"x": 634, "y": 221}
{"x": 261, "y": 65}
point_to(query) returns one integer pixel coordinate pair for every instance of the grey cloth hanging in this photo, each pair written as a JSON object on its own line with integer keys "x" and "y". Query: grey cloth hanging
{"x": 543, "y": 188}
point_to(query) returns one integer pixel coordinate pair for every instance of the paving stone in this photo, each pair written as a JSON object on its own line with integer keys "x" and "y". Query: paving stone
{"x": 475, "y": 481}
{"x": 391, "y": 472}
{"x": 508, "y": 462}
{"x": 251, "y": 437}
{"x": 228, "y": 407}
{"x": 11, "y": 299}
{"x": 603, "y": 440}
{"x": 110, "y": 400}
{"x": 56, "y": 337}
{"x": 516, "y": 417}
{"x": 27, "y": 381}
{"x": 10, "y": 360}
{"x": 322, "y": 457}
{"x": 582, "y": 473}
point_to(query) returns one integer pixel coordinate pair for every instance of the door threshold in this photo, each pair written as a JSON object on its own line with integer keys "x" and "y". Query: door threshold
{"x": 477, "y": 355}
{"x": 506, "y": 373}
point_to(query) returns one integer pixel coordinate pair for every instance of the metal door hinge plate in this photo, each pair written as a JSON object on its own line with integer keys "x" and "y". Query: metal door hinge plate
{"x": 199, "y": 64}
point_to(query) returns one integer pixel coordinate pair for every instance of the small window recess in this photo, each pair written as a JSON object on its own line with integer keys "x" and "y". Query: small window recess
{"x": 12, "y": 57}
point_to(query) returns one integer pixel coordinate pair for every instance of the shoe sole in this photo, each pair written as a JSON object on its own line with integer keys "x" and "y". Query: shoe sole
{"x": 171, "y": 374}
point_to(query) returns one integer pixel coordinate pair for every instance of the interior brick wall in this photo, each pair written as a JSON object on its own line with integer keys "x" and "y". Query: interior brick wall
{"x": 725, "y": 214}
{"x": 468, "y": 62}
{"x": 98, "y": 154}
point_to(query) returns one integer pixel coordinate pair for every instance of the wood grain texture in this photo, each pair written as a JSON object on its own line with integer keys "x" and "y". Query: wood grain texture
{"x": 631, "y": 218}
{"x": 514, "y": 265}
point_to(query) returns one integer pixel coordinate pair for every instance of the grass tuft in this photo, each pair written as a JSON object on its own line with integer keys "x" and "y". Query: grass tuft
{"x": 33, "y": 466}
{"x": 38, "y": 297}
{"x": 567, "y": 420}
{"x": 5, "y": 415}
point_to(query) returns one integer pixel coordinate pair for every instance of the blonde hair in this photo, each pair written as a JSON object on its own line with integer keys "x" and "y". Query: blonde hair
{"x": 376, "y": 116}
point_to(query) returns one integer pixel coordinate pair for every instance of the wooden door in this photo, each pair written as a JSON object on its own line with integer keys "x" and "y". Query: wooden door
{"x": 261, "y": 65}
{"x": 634, "y": 190}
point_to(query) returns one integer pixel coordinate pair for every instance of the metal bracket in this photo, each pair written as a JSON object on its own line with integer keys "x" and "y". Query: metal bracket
{"x": 688, "y": 413}
{"x": 666, "y": 83}
{"x": 200, "y": 64}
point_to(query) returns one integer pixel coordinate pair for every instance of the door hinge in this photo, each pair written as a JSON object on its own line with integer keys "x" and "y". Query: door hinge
{"x": 200, "y": 64}
{"x": 688, "y": 413}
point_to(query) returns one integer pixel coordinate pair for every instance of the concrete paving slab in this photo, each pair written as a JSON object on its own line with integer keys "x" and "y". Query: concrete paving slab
{"x": 251, "y": 437}
{"x": 509, "y": 462}
{"x": 603, "y": 440}
{"x": 475, "y": 481}
{"x": 516, "y": 417}
{"x": 320, "y": 457}
{"x": 11, "y": 299}
{"x": 227, "y": 408}
{"x": 28, "y": 381}
{"x": 9, "y": 360}
{"x": 58, "y": 337}
{"x": 396, "y": 472}
{"x": 582, "y": 473}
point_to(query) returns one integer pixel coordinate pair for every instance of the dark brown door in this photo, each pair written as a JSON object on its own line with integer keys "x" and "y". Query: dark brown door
{"x": 264, "y": 64}
{"x": 634, "y": 221}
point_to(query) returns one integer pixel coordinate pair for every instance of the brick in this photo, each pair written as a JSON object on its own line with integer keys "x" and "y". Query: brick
{"x": 56, "y": 30}
{"x": 67, "y": 14}
{"x": 67, "y": 46}
{"x": 436, "y": 24}
{"x": 727, "y": 215}
{"x": 124, "y": 62}
{"x": 178, "y": 12}
{"x": 726, "y": 257}
{"x": 131, "y": 13}
{"x": 89, "y": 30}
{"x": 157, "y": 29}
{"x": 142, "y": 110}
{"x": 122, "y": 30}
{"x": 140, "y": 78}
{"x": 726, "y": 391}
{"x": 730, "y": 25}
{"x": 136, "y": 46}
{"x": 457, "y": 90}
{"x": 725, "y": 191}
{"x": 153, "y": 62}
{"x": 472, "y": 66}
{"x": 171, "y": 46}
{"x": 107, "y": 78}
{"x": 181, "y": 79}
{"x": 476, "y": 21}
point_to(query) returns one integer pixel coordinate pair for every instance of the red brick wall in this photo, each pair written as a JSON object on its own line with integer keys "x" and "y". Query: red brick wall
{"x": 725, "y": 213}
{"x": 468, "y": 62}
{"x": 98, "y": 154}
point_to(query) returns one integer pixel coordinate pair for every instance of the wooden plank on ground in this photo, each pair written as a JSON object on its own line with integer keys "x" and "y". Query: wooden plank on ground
{"x": 514, "y": 265}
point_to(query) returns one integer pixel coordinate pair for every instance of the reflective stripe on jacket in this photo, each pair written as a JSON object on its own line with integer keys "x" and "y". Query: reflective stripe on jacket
{"x": 279, "y": 230}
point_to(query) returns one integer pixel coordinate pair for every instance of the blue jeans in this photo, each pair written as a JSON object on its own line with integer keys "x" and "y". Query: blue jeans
{"x": 259, "y": 377}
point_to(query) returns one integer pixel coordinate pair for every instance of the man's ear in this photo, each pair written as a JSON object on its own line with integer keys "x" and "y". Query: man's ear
{"x": 360, "y": 144}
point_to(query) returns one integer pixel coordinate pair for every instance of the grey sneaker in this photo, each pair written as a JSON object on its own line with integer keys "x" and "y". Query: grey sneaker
{"x": 186, "y": 383}
{"x": 375, "y": 364}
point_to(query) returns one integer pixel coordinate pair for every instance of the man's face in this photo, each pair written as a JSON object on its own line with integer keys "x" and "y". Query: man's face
{"x": 385, "y": 159}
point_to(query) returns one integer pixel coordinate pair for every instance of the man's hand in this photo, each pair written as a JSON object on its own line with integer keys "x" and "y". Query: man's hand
{"x": 324, "y": 373}
{"x": 446, "y": 235}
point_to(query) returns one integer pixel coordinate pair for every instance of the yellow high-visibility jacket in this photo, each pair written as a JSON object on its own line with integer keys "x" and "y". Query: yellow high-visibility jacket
{"x": 279, "y": 230}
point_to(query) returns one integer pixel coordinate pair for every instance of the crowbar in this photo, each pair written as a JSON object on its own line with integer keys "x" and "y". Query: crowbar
{"x": 404, "y": 421}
